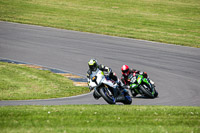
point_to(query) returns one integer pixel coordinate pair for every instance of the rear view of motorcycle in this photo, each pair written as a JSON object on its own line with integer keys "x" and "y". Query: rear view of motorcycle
{"x": 107, "y": 88}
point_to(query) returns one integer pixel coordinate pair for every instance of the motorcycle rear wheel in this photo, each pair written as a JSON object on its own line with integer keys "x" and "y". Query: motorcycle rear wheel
{"x": 127, "y": 100}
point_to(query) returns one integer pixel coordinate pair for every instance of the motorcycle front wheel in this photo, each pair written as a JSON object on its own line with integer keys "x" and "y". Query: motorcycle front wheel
{"x": 146, "y": 91}
{"x": 107, "y": 95}
{"x": 156, "y": 94}
{"x": 133, "y": 93}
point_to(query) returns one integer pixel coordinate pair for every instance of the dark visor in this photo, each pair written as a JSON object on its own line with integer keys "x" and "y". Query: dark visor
{"x": 125, "y": 71}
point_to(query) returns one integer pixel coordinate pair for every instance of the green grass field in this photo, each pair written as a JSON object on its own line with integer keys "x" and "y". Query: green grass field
{"x": 168, "y": 21}
{"x": 99, "y": 119}
{"x": 20, "y": 82}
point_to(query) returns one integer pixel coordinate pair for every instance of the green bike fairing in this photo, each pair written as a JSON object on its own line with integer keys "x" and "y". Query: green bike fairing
{"x": 146, "y": 81}
{"x": 133, "y": 85}
{"x": 139, "y": 79}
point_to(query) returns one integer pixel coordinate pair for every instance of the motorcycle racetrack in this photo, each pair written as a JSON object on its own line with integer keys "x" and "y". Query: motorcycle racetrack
{"x": 174, "y": 69}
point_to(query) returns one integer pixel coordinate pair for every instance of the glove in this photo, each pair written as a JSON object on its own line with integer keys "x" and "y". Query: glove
{"x": 145, "y": 74}
{"x": 141, "y": 73}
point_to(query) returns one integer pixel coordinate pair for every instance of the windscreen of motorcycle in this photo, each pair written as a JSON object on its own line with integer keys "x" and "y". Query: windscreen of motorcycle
{"x": 96, "y": 77}
{"x": 132, "y": 78}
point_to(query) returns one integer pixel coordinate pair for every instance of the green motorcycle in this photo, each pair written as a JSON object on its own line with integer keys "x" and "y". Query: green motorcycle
{"x": 141, "y": 85}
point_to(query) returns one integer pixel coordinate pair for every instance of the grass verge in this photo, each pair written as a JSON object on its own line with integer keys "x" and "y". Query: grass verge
{"x": 21, "y": 82}
{"x": 99, "y": 118}
{"x": 168, "y": 21}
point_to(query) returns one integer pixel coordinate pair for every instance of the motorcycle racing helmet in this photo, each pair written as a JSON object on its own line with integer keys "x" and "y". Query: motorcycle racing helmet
{"x": 125, "y": 70}
{"x": 93, "y": 65}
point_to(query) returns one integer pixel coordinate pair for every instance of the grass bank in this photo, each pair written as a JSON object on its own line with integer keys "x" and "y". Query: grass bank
{"x": 168, "y": 21}
{"x": 99, "y": 118}
{"x": 21, "y": 82}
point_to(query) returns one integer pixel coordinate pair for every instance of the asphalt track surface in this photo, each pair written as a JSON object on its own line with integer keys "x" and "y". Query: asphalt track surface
{"x": 174, "y": 69}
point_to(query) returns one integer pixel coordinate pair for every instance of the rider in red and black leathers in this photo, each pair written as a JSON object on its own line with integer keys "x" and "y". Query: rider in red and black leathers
{"x": 126, "y": 72}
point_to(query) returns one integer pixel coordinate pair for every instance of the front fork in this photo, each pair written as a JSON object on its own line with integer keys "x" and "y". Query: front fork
{"x": 115, "y": 92}
{"x": 151, "y": 85}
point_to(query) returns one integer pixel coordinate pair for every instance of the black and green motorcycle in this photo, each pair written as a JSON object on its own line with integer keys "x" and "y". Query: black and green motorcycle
{"x": 141, "y": 85}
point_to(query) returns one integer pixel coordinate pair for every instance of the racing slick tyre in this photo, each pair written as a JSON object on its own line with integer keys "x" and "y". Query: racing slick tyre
{"x": 146, "y": 91}
{"x": 96, "y": 95}
{"x": 127, "y": 100}
{"x": 156, "y": 94}
{"x": 107, "y": 95}
{"x": 134, "y": 94}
